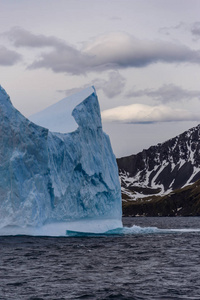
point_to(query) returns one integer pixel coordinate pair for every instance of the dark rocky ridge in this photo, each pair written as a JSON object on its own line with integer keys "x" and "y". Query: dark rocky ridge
{"x": 162, "y": 168}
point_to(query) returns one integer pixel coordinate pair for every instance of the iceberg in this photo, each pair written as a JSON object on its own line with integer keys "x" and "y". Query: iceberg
{"x": 51, "y": 181}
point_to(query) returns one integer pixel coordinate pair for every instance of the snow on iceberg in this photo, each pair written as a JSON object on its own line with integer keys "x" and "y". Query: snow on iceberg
{"x": 58, "y": 117}
{"x": 52, "y": 180}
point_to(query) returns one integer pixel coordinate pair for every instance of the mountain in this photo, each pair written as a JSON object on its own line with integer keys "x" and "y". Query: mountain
{"x": 182, "y": 202}
{"x": 48, "y": 177}
{"x": 163, "y": 168}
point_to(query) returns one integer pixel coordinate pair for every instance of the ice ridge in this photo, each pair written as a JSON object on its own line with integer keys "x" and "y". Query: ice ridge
{"x": 58, "y": 117}
{"x": 48, "y": 177}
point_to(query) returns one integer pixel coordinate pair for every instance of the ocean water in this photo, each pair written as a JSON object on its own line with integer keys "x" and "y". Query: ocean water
{"x": 142, "y": 263}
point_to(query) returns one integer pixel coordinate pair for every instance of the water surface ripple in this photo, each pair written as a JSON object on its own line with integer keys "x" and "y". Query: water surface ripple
{"x": 139, "y": 266}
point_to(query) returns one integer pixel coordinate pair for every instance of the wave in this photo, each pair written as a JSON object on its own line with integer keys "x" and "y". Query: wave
{"x": 134, "y": 230}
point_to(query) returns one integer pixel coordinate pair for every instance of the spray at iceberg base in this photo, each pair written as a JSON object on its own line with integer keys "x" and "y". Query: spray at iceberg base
{"x": 134, "y": 230}
{"x": 53, "y": 182}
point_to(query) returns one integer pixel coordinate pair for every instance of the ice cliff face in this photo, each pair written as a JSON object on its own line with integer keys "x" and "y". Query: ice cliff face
{"x": 50, "y": 177}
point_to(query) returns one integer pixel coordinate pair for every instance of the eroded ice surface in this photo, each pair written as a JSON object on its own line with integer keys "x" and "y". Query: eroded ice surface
{"x": 58, "y": 117}
{"x": 48, "y": 178}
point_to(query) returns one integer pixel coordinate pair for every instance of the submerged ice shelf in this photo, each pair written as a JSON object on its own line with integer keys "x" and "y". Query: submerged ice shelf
{"x": 57, "y": 178}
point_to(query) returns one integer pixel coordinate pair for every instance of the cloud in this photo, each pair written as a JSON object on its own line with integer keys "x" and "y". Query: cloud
{"x": 8, "y": 57}
{"x": 192, "y": 28}
{"x": 166, "y": 93}
{"x": 115, "y": 18}
{"x": 24, "y": 38}
{"x": 111, "y": 87}
{"x": 73, "y": 91}
{"x": 180, "y": 27}
{"x": 113, "y": 51}
{"x": 195, "y": 29}
{"x": 140, "y": 113}
{"x": 64, "y": 60}
{"x": 62, "y": 57}
{"x": 123, "y": 50}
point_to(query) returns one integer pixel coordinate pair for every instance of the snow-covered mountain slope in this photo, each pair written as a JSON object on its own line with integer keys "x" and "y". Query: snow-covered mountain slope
{"x": 162, "y": 168}
{"x": 48, "y": 177}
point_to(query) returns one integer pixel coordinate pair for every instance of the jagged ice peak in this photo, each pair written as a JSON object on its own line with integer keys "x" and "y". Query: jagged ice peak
{"x": 53, "y": 182}
{"x": 58, "y": 117}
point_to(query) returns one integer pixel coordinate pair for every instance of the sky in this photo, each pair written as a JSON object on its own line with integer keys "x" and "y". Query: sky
{"x": 142, "y": 56}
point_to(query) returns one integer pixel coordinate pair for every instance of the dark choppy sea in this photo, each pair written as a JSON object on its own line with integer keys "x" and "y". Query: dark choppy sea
{"x": 157, "y": 265}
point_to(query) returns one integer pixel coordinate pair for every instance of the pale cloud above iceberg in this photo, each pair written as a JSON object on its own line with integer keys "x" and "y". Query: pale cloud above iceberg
{"x": 8, "y": 57}
{"x": 115, "y": 51}
{"x": 111, "y": 87}
{"x": 166, "y": 93}
{"x": 141, "y": 113}
{"x": 111, "y": 51}
{"x": 195, "y": 29}
{"x": 183, "y": 28}
{"x": 21, "y": 37}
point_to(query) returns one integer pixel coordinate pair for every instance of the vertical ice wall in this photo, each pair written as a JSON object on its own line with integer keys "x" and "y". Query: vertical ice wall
{"x": 50, "y": 177}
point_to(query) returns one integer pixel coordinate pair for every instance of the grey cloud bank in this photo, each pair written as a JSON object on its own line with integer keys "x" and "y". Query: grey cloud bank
{"x": 111, "y": 87}
{"x": 195, "y": 29}
{"x": 116, "y": 51}
{"x": 8, "y": 57}
{"x": 24, "y": 38}
{"x": 166, "y": 93}
{"x": 111, "y": 51}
